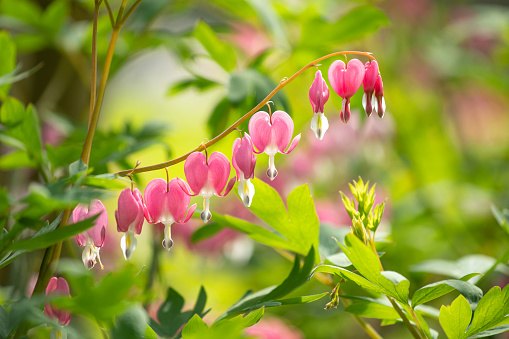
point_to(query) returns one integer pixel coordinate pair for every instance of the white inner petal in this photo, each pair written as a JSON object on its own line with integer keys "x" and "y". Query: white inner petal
{"x": 128, "y": 244}
{"x": 319, "y": 125}
{"x": 246, "y": 191}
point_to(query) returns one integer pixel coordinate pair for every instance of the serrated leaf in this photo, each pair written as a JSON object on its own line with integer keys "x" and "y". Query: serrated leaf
{"x": 490, "y": 310}
{"x": 440, "y": 288}
{"x": 455, "y": 318}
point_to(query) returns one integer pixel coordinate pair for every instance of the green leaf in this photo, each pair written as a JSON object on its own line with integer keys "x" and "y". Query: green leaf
{"x": 218, "y": 119}
{"x": 218, "y": 50}
{"x": 366, "y": 262}
{"x": 50, "y": 238}
{"x": 170, "y": 315}
{"x": 206, "y": 231}
{"x": 269, "y": 297}
{"x": 440, "y": 288}
{"x": 12, "y": 112}
{"x": 195, "y": 328}
{"x": 356, "y": 24}
{"x": 302, "y": 300}
{"x": 501, "y": 218}
{"x": 473, "y": 263}
{"x": 16, "y": 159}
{"x": 54, "y": 16}
{"x": 197, "y": 82}
{"x": 493, "y": 331}
{"x": 7, "y": 62}
{"x": 347, "y": 275}
{"x": 373, "y": 310}
{"x": 490, "y": 311}
{"x": 455, "y": 318}
{"x": 328, "y": 246}
{"x": 255, "y": 232}
{"x": 104, "y": 301}
{"x": 24, "y": 10}
{"x": 131, "y": 324}
{"x": 105, "y": 181}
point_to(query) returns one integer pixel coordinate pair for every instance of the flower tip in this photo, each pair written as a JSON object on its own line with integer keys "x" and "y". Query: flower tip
{"x": 272, "y": 173}
{"x": 167, "y": 244}
{"x": 205, "y": 215}
{"x": 90, "y": 264}
{"x": 319, "y": 125}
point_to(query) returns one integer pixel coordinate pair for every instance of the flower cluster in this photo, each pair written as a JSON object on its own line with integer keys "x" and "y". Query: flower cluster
{"x": 346, "y": 81}
{"x": 166, "y": 202}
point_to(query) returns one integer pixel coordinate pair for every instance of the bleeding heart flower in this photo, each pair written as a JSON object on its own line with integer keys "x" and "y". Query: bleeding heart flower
{"x": 129, "y": 217}
{"x": 167, "y": 203}
{"x": 244, "y": 161}
{"x": 93, "y": 238}
{"x": 208, "y": 177}
{"x": 379, "y": 95}
{"x": 272, "y": 134}
{"x": 57, "y": 287}
{"x": 370, "y": 76}
{"x": 345, "y": 81}
{"x": 318, "y": 95}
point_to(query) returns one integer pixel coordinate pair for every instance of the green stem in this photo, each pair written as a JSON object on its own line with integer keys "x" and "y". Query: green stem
{"x": 93, "y": 82}
{"x": 233, "y": 127}
{"x": 411, "y": 328}
{"x": 85, "y": 155}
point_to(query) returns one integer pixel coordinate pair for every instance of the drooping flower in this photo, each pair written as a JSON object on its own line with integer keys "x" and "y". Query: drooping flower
{"x": 168, "y": 203}
{"x": 369, "y": 81}
{"x": 272, "y": 134}
{"x": 129, "y": 217}
{"x": 318, "y": 96}
{"x": 207, "y": 177}
{"x": 244, "y": 161}
{"x": 345, "y": 81}
{"x": 379, "y": 95}
{"x": 57, "y": 287}
{"x": 93, "y": 238}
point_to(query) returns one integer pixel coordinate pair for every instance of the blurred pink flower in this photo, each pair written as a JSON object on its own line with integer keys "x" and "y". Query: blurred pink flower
{"x": 273, "y": 328}
{"x": 57, "y": 287}
{"x": 93, "y": 238}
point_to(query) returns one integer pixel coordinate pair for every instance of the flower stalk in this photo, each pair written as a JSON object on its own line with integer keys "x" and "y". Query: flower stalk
{"x": 246, "y": 116}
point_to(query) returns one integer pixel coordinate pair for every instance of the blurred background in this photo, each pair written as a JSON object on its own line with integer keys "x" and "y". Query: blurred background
{"x": 185, "y": 70}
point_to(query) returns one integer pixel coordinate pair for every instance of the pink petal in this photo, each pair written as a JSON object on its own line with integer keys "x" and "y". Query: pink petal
{"x": 79, "y": 213}
{"x": 189, "y": 214}
{"x": 379, "y": 86}
{"x": 228, "y": 187}
{"x": 177, "y": 201}
{"x": 196, "y": 171}
{"x": 57, "y": 286}
{"x": 80, "y": 238}
{"x": 353, "y": 76}
{"x": 243, "y": 158}
{"x": 318, "y": 93}
{"x": 370, "y": 76}
{"x": 155, "y": 196}
{"x": 346, "y": 81}
{"x": 335, "y": 77}
{"x": 128, "y": 210}
{"x": 141, "y": 210}
{"x": 97, "y": 232}
{"x": 282, "y": 129}
{"x": 219, "y": 171}
{"x": 294, "y": 143}
{"x": 260, "y": 130}
{"x": 185, "y": 187}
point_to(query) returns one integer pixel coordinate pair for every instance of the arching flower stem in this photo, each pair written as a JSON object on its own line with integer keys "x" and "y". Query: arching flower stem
{"x": 234, "y": 126}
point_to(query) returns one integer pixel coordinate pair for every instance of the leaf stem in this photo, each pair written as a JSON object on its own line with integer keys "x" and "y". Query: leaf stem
{"x": 233, "y": 127}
